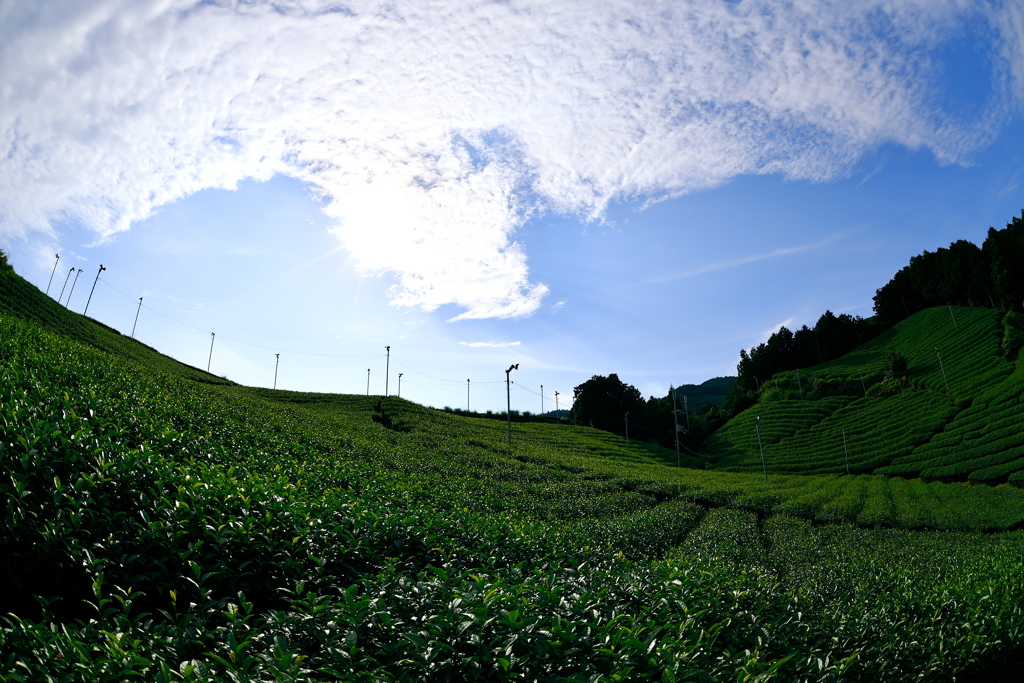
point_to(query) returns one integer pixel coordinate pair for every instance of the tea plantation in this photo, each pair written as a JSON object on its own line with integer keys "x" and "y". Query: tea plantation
{"x": 955, "y": 415}
{"x": 162, "y": 524}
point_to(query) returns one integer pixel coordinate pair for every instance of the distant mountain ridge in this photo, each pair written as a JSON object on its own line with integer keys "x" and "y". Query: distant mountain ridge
{"x": 712, "y": 391}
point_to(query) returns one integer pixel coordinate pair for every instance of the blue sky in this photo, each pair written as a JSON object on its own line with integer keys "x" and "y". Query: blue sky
{"x": 581, "y": 189}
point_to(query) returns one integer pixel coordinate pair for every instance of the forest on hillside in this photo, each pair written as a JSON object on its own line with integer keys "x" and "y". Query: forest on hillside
{"x": 989, "y": 276}
{"x": 963, "y": 274}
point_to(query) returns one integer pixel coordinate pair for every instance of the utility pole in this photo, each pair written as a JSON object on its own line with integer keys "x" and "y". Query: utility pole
{"x": 367, "y": 381}
{"x": 277, "y": 361}
{"x": 686, "y": 407}
{"x": 89, "y": 300}
{"x": 213, "y": 336}
{"x": 757, "y": 426}
{"x": 847, "y": 452}
{"x": 508, "y": 399}
{"x": 400, "y": 385}
{"x": 467, "y": 394}
{"x": 65, "y": 284}
{"x": 556, "y": 401}
{"x": 51, "y": 274}
{"x": 137, "y": 311}
{"x": 387, "y": 370}
{"x": 675, "y": 420}
{"x": 73, "y": 283}
{"x": 942, "y": 368}
{"x": 952, "y": 316}
{"x": 627, "y": 428}
{"x": 542, "y": 400}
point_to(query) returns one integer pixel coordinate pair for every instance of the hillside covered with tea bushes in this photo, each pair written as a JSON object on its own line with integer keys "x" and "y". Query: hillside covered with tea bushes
{"x": 952, "y": 413}
{"x": 161, "y": 524}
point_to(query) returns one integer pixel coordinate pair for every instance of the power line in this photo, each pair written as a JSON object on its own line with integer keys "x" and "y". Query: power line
{"x": 175, "y": 320}
{"x": 304, "y": 353}
{"x": 107, "y": 284}
{"x": 442, "y": 379}
{"x": 241, "y": 341}
{"x": 353, "y": 361}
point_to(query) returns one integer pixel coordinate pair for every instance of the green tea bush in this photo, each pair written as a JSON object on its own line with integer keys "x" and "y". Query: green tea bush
{"x": 878, "y": 509}
{"x": 966, "y": 467}
{"x": 1013, "y": 334}
{"x": 846, "y": 506}
{"x": 724, "y": 535}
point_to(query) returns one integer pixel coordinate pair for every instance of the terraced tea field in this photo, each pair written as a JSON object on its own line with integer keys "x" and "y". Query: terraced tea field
{"x": 960, "y": 419}
{"x": 161, "y": 525}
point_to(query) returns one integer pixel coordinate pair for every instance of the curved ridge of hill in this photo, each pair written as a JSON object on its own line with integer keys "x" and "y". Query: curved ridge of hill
{"x": 953, "y": 414}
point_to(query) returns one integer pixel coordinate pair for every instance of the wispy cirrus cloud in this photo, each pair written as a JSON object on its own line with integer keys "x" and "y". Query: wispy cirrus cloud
{"x": 434, "y": 130}
{"x": 752, "y": 258}
{"x": 489, "y": 345}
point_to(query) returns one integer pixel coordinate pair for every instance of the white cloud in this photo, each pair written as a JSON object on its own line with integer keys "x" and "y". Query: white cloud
{"x": 434, "y": 130}
{"x": 764, "y": 336}
{"x": 186, "y": 306}
{"x": 490, "y": 345}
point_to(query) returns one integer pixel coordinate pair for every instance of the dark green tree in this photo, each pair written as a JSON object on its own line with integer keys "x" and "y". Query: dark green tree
{"x": 658, "y": 421}
{"x": 603, "y": 402}
{"x": 702, "y": 408}
{"x": 1004, "y": 251}
{"x": 896, "y": 365}
{"x": 837, "y": 335}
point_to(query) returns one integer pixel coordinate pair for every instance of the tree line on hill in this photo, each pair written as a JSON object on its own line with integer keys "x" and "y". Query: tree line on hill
{"x": 833, "y": 336}
{"x": 963, "y": 274}
{"x": 608, "y": 403}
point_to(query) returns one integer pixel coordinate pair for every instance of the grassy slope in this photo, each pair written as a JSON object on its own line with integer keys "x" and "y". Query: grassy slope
{"x": 182, "y": 530}
{"x": 971, "y": 431}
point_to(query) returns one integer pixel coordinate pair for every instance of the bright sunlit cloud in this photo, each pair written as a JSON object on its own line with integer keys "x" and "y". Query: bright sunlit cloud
{"x": 432, "y": 132}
